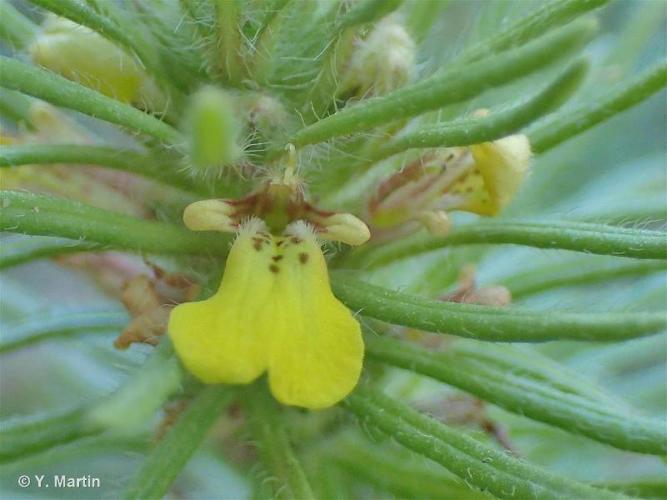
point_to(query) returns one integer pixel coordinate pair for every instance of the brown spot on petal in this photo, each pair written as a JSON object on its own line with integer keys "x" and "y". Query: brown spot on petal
{"x": 303, "y": 257}
{"x": 257, "y": 243}
{"x": 274, "y": 269}
{"x": 295, "y": 239}
{"x": 276, "y": 258}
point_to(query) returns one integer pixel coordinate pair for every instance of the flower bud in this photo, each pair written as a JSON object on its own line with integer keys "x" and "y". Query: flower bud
{"x": 210, "y": 215}
{"x": 482, "y": 179}
{"x": 345, "y": 228}
{"x": 213, "y": 130}
{"x": 383, "y": 62}
{"x": 503, "y": 165}
{"x": 81, "y": 55}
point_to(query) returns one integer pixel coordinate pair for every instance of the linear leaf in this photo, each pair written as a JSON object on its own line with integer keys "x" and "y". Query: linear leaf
{"x": 21, "y": 436}
{"x": 537, "y": 400}
{"x": 552, "y": 14}
{"x": 476, "y": 130}
{"x": 573, "y": 122}
{"x": 174, "y": 450}
{"x": 16, "y": 29}
{"x": 573, "y": 273}
{"x": 51, "y": 216}
{"x": 76, "y": 154}
{"x": 22, "y": 334}
{"x": 395, "y": 473}
{"x": 489, "y": 323}
{"x": 449, "y": 87}
{"x": 15, "y": 253}
{"x": 585, "y": 237}
{"x": 486, "y": 468}
{"x": 37, "y": 82}
{"x": 275, "y": 451}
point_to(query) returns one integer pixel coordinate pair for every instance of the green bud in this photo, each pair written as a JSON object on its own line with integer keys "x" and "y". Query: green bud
{"x": 84, "y": 56}
{"x": 383, "y": 62}
{"x": 213, "y": 130}
{"x": 81, "y": 55}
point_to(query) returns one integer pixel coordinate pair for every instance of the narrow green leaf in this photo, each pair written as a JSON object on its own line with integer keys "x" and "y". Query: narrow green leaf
{"x": 527, "y": 362}
{"x": 538, "y": 400}
{"x": 51, "y": 216}
{"x": 652, "y": 489}
{"x": 367, "y": 11}
{"x": 15, "y": 106}
{"x": 275, "y": 451}
{"x": 137, "y": 401}
{"x": 552, "y": 14}
{"x": 16, "y": 75}
{"x": 585, "y": 237}
{"x": 15, "y": 253}
{"x": 76, "y": 154}
{"x": 84, "y": 447}
{"x": 181, "y": 62}
{"x": 291, "y": 50}
{"x": 477, "y": 464}
{"x": 16, "y": 29}
{"x": 505, "y": 122}
{"x": 399, "y": 475}
{"x": 228, "y": 43}
{"x": 573, "y": 122}
{"x": 22, "y": 436}
{"x": 448, "y": 88}
{"x": 575, "y": 273}
{"x": 489, "y": 323}
{"x": 45, "y": 327}
{"x": 173, "y": 452}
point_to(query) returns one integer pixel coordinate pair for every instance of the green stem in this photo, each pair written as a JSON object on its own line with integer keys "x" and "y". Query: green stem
{"x": 585, "y": 237}
{"x": 488, "y": 323}
{"x": 448, "y": 88}
{"x": 50, "y": 216}
{"x": 75, "y": 154}
{"x": 43, "y": 84}
{"x": 270, "y": 436}
{"x": 173, "y": 452}
{"x": 537, "y": 400}
{"x": 573, "y": 122}
{"x": 486, "y": 468}
{"x": 19, "y": 335}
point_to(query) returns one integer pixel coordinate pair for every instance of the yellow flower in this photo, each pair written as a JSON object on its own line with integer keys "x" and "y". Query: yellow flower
{"x": 499, "y": 170}
{"x": 274, "y": 312}
{"x": 481, "y": 178}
